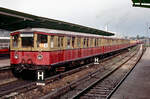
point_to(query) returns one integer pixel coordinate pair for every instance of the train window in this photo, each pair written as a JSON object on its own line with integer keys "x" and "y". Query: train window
{"x": 60, "y": 41}
{"x": 91, "y": 42}
{"x": 113, "y": 42}
{"x": 73, "y": 42}
{"x": 15, "y": 40}
{"x": 52, "y": 41}
{"x": 78, "y": 42}
{"x": 109, "y": 42}
{"x": 84, "y": 42}
{"x": 68, "y": 42}
{"x": 99, "y": 41}
{"x": 87, "y": 42}
{"x": 42, "y": 41}
{"x": 95, "y": 42}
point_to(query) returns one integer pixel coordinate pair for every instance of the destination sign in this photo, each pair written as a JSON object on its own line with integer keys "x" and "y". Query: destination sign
{"x": 26, "y": 35}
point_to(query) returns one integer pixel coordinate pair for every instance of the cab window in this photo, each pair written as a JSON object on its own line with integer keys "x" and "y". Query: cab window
{"x": 15, "y": 40}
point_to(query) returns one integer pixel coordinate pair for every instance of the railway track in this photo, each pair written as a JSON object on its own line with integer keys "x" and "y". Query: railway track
{"x": 14, "y": 87}
{"x": 5, "y": 69}
{"x": 26, "y": 86}
{"x": 19, "y": 86}
{"x": 80, "y": 86}
{"x": 104, "y": 88}
{"x": 6, "y": 75}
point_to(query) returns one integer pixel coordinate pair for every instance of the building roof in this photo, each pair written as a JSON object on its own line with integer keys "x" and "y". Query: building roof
{"x": 13, "y": 20}
{"x": 141, "y": 3}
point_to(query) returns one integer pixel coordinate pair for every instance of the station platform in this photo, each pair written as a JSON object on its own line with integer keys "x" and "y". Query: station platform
{"x": 137, "y": 84}
{"x": 4, "y": 62}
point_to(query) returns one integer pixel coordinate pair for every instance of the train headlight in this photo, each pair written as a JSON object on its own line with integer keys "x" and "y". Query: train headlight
{"x": 40, "y": 57}
{"x": 16, "y": 56}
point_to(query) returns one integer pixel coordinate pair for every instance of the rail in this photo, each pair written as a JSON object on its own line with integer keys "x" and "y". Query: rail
{"x": 117, "y": 86}
{"x": 32, "y": 85}
{"x": 103, "y": 78}
{"x": 72, "y": 85}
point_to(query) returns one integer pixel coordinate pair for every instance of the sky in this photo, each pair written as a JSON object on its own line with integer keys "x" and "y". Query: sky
{"x": 118, "y": 15}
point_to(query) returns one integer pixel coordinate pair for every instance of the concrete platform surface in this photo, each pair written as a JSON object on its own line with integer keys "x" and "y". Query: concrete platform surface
{"x": 4, "y": 62}
{"x": 137, "y": 84}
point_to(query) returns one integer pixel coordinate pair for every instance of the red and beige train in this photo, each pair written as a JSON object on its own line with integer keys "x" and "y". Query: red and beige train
{"x": 4, "y": 45}
{"x": 47, "y": 49}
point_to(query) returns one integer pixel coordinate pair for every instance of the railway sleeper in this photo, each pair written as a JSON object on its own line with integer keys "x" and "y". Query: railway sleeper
{"x": 99, "y": 92}
{"x": 95, "y": 95}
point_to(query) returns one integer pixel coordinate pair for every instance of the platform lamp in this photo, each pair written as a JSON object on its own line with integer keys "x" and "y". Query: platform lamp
{"x": 147, "y": 34}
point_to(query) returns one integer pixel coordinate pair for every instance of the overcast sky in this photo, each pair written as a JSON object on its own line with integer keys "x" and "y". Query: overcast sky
{"x": 118, "y": 15}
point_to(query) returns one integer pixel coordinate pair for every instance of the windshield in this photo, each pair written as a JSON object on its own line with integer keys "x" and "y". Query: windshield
{"x": 27, "y": 39}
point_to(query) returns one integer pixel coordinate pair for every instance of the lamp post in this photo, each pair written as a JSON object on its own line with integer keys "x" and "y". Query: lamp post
{"x": 148, "y": 34}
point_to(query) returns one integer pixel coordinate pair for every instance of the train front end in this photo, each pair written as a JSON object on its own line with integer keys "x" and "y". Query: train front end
{"x": 28, "y": 51}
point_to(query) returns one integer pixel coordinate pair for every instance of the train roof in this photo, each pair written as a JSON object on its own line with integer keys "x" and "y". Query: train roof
{"x": 13, "y": 20}
{"x": 44, "y": 30}
{"x": 141, "y": 1}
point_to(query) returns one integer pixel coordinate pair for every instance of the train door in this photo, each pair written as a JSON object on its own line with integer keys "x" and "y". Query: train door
{"x": 61, "y": 48}
{"x": 79, "y": 46}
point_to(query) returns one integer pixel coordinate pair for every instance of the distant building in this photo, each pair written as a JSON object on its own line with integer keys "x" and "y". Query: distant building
{"x": 4, "y": 33}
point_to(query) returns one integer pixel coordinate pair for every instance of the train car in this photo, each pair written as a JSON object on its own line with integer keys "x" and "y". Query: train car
{"x": 4, "y": 45}
{"x": 49, "y": 49}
